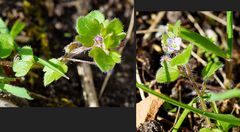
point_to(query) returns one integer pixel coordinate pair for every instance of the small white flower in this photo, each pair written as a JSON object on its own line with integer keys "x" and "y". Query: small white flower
{"x": 173, "y": 44}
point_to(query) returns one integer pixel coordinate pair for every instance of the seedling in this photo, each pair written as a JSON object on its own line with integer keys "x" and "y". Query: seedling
{"x": 96, "y": 34}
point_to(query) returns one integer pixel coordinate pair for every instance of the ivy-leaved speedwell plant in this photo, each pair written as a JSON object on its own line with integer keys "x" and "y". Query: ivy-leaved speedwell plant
{"x": 174, "y": 63}
{"x": 103, "y": 36}
{"x": 100, "y": 36}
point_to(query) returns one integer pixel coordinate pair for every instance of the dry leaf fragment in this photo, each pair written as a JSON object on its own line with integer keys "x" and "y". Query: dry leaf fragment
{"x": 147, "y": 109}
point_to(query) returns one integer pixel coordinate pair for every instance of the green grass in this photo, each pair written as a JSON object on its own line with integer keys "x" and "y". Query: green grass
{"x": 221, "y": 117}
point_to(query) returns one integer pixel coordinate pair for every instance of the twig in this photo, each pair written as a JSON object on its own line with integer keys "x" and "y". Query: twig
{"x": 196, "y": 25}
{"x": 179, "y": 108}
{"x": 216, "y": 18}
{"x": 190, "y": 77}
{"x": 138, "y": 79}
{"x": 147, "y": 31}
{"x": 153, "y": 26}
{"x": 129, "y": 34}
{"x": 82, "y": 61}
{"x": 39, "y": 96}
{"x": 105, "y": 83}
{"x": 89, "y": 93}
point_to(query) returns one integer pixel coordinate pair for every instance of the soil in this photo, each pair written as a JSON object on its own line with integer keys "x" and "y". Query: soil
{"x": 50, "y": 27}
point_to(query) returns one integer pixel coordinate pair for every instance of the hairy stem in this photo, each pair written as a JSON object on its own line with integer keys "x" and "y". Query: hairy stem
{"x": 190, "y": 77}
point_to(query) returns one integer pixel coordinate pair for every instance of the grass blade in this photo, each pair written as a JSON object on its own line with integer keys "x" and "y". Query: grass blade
{"x": 202, "y": 42}
{"x": 182, "y": 117}
{"x": 221, "y": 117}
{"x": 17, "y": 28}
{"x": 225, "y": 95}
{"x": 230, "y": 32}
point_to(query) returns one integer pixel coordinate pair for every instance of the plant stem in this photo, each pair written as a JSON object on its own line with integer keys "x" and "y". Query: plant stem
{"x": 230, "y": 46}
{"x": 190, "y": 77}
{"x": 215, "y": 110}
{"x": 81, "y": 61}
{"x": 182, "y": 117}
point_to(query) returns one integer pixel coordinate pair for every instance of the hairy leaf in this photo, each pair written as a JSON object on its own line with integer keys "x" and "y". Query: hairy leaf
{"x": 182, "y": 58}
{"x": 87, "y": 29}
{"x": 113, "y": 34}
{"x": 96, "y": 15}
{"x": 104, "y": 61}
{"x": 167, "y": 73}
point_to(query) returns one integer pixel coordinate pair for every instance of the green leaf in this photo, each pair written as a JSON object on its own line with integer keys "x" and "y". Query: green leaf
{"x": 51, "y": 66}
{"x": 105, "y": 23}
{"x": 115, "y": 56}
{"x": 15, "y": 90}
{"x": 115, "y": 26}
{"x": 113, "y": 41}
{"x": 182, "y": 58}
{"x": 226, "y": 126}
{"x": 113, "y": 34}
{"x": 87, "y": 29}
{"x": 176, "y": 28}
{"x": 201, "y": 42}
{"x": 210, "y": 69}
{"x": 167, "y": 73}
{"x": 17, "y": 28}
{"x": 51, "y": 75}
{"x": 22, "y": 66}
{"x": 3, "y": 27}
{"x": 221, "y": 117}
{"x": 224, "y": 95}
{"x": 104, "y": 62}
{"x": 96, "y": 15}
{"x": 6, "y": 45}
{"x": 26, "y": 53}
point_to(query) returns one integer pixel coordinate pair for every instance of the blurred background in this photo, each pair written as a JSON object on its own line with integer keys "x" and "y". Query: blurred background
{"x": 50, "y": 26}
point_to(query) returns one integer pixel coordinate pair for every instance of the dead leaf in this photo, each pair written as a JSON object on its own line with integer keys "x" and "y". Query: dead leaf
{"x": 147, "y": 109}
